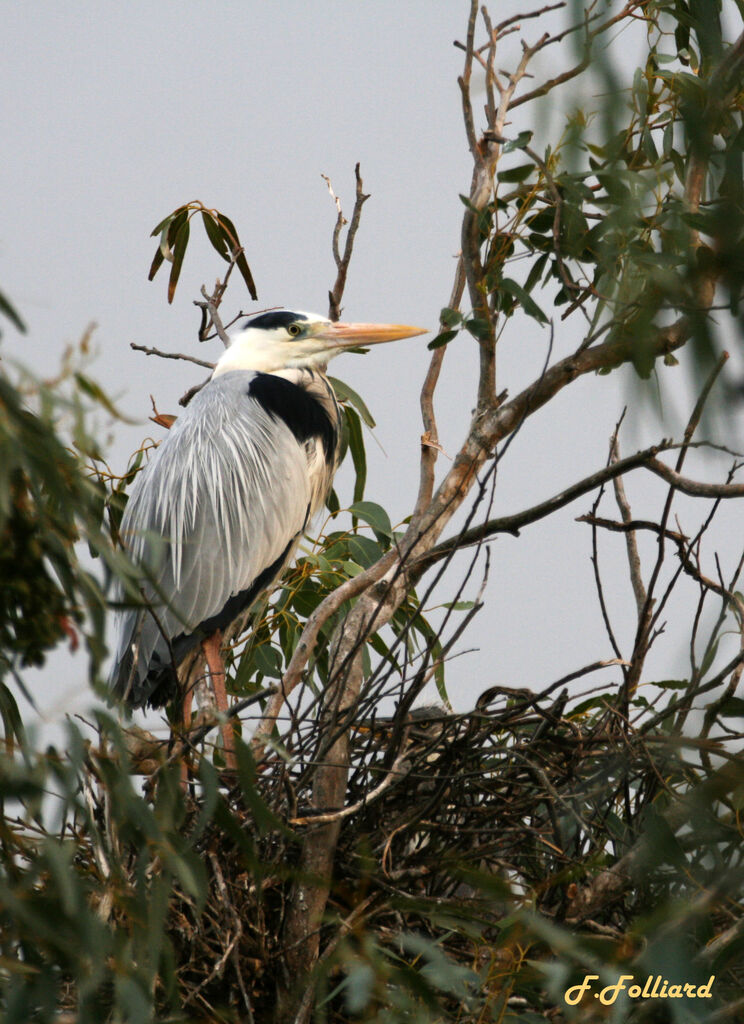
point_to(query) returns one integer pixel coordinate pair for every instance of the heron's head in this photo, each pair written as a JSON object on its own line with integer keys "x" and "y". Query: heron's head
{"x": 283, "y": 339}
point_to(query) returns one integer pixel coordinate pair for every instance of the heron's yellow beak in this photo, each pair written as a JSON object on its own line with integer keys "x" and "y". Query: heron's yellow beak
{"x": 343, "y": 336}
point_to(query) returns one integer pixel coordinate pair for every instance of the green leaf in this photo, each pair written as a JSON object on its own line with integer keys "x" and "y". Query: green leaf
{"x": 170, "y": 233}
{"x": 732, "y": 707}
{"x": 480, "y": 329}
{"x": 671, "y": 684}
{"x": 709, "y": 657}
{"x": 267, "y": 661}
{"x": 374, "y": 515}
{"x": 96, "y": 392}
{"x": 358, "y": 454}
{"x": 344, "y": 393}
{"x": 240, "y": 260}
{"x": 522, "y": 140}
{"x": 159, "y": 228}
{"x": 679, "y": 165}
{"x": 516, "y": 174}
{"x": 167, "y": 229}
{"x": 157, "y": 262}
{"x": 536, "y": 271}
{"x": 332, "y": 502}
{"x": 649, "y": 146}
{"x": 364, "y": 550}
{"x": 262, "y": 814}
{"x": 661, "y": 843}
{"x": 216, "y": 236}
{"x": 465, "y": 200}
{"x": 179, "y": 251}
{"x": 442, "y": 339}
{"x": 450, "y": 317}
{"x": 668, "y": 139}
{"x": 11, "y": 716}
{"x": 527, "y": 303}
{"x": 8, "y": 310}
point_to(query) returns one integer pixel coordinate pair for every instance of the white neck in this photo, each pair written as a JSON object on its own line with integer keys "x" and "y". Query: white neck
{"x": 242, "y": 355}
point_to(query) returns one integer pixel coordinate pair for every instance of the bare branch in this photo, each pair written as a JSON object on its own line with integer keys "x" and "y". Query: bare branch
{"x": 171, "y": 355}
{"x": 634, "y": 560}
{"x": 429, "y": 450}
{"x": 631, "y": 526}
{"x": 211, "y": 304}
{"x": 342, "y": 261}
{"x": 397, "y": 773}
{"x": 693, "y": 487}
{"x": 514, "y": 523}
{"x": 304, "y": 649}
{"x": 577, "y": 69}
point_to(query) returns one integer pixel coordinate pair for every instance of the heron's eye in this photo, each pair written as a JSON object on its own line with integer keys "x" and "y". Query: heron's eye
{"x": 293, "y": 330}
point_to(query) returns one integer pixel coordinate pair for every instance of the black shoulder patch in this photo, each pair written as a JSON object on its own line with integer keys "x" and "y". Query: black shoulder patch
{"x": 277, "y": 318}
{"x": 302, "y": 413}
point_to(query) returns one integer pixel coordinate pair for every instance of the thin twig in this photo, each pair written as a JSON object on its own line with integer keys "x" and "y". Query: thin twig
{"x": 634, "y": 559}
{"x": 171, "y": 355}
{"x": 335, "y": 295}
{"x": 211, "y": 302}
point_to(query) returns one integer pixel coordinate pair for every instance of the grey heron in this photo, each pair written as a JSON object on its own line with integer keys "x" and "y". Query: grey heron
{"x": 220, "y": 508}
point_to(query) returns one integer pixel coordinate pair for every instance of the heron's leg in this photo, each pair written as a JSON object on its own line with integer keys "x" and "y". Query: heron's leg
{"x": 186, "y": 711}
{"x": 186, "y": 722}
{"x": 216, "y": 665}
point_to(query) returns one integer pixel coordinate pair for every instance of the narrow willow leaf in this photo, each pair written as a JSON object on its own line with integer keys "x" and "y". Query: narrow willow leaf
{"x": 96, "y": 392}
{"x": 157, "y": 262}
{"x": 179, "y": 218}
{"x": 527, "y": 303}
{"x": 240, "y": 260}
{"x": 9, "y": 311}
{"x": 215, "y": 236}
{"x": 245, "y": 270}
{"x": 332, "y": 503}
{"x": 709, "y": 658}
{"x": 536, "y": 271}
{"x": 179, "y": 251}
{"x": 649, "y": 146}
{"x": 159, "y": 228}
{"x": 344, "y": 393}
{"x": 358, "y": 454}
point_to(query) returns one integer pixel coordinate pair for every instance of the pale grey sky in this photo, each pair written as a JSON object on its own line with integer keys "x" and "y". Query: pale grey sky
{"x": 115, "y": 114}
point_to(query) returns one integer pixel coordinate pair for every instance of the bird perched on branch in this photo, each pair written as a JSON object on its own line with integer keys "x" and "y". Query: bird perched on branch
{"x": 218, "y": 511}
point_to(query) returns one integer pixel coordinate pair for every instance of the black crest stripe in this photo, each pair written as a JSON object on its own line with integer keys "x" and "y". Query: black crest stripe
{"x": 278, "y": 318}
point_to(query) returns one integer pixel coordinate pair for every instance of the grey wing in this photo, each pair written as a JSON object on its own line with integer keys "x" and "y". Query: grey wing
{"x": 223, "y": 498}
